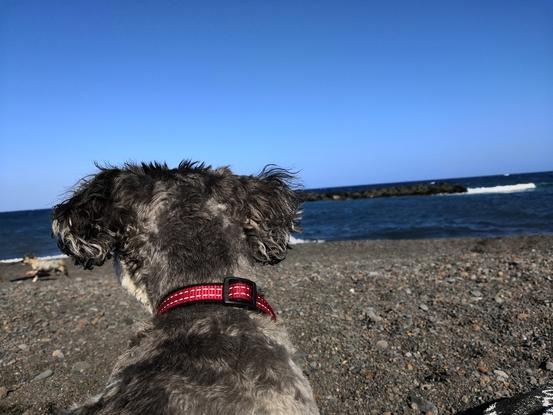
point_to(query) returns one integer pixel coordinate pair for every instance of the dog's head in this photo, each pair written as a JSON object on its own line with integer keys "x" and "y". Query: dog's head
{"x": 28, "y": 259}
{"x": 191, "y": 220}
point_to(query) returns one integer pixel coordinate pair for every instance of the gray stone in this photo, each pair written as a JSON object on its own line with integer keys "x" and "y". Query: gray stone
{"x": 46, "y": 374}
{"x": 3, "y": 392}
{"x": 80, "y": 367}
{"x": 423, "y": 405}
{"x": 549, "y": 365}
{"x": 381, "y": 345}
{"x": 501, "y": 374}
{"x": 423, "y": 307}
{"x": 371, "y": 314}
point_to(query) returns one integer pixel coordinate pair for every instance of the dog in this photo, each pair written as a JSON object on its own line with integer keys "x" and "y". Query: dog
{"x": 41, "y": 267}
{"x": 185, "y": 233}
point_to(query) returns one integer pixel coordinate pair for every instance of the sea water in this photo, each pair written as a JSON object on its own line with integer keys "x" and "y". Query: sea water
{"x": 516, "y": 204}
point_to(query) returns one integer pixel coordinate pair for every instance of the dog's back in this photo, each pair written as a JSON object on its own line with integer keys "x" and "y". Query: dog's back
{"x": 204, "y": 360}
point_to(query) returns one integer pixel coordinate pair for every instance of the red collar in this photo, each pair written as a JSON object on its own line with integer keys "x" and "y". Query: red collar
{"x": 234, "y": 291}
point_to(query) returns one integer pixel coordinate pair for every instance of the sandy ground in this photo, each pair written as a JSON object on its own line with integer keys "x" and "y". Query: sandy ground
{"x": 381, "y": 326}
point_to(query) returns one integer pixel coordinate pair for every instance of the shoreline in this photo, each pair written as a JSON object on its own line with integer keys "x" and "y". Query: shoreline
{"x": 377, "y": 324}
{"x": 299, "y": 241}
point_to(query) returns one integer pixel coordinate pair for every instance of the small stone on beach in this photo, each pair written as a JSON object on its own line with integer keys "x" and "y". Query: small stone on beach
{"x": 371, "y": 314}
{"x": 46, "y": 374}
{"x": 482, "y": 368}
{"x": 58, "y": 353}
{"x": 500, "y": 374}
{"x": 381, "y": 345}
{"x": 80, "y": 367}
{"x": 423, "y": 405}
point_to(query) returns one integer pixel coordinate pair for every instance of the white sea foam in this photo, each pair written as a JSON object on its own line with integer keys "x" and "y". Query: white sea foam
{"x": 296, "y": 241}
{"x": 11, "y": 261}
{"x": 522, "y": 187}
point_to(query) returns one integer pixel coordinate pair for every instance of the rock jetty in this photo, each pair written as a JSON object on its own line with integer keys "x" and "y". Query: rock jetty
{"x": 406, "y": 190}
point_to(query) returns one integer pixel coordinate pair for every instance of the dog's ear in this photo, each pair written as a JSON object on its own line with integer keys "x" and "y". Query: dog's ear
{"x": 83, "y": 224}
{"x": 271, "y": 214}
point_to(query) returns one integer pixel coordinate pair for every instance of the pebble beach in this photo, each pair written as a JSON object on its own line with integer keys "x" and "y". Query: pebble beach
{"x": 381, "y": 327}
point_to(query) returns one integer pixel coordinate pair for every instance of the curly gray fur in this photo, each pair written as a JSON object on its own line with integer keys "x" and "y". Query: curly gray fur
{"x": 169, "y": 228}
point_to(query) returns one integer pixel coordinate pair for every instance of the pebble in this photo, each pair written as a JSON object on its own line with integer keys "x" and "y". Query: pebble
{"x": 23, "y": 347}
{"x": 315, "y": 365}
{"x": 482, "y": 368}
{"x": 3, "y": 392}
{"x": 81, "y": 367}
{"x": 423, "y": 307}
{"x": 371, "y": 314}
{"x": 423, "y": 405}
{"x": 523, "y": 316}
{"x": 58, "y": 353}
{"x": 549, "y": 365}
{"x": 381, "y": 345}
{"x": 484, "y": 380}
{"x": 500, "y": 374}
{"x": 46, "y": 374}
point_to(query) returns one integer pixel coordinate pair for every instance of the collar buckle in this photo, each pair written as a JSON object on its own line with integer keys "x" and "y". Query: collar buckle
{"x": 251, "y": 304}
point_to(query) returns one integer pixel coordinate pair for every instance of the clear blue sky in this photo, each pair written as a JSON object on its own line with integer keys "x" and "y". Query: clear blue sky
{"x": 347, "y": 92}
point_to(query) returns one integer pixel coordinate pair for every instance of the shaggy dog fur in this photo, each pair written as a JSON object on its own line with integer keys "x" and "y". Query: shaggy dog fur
{"x": 170, "y": 228}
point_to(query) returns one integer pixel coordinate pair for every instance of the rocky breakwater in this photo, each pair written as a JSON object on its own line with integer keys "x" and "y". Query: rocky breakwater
{"x": 406, "y": 190}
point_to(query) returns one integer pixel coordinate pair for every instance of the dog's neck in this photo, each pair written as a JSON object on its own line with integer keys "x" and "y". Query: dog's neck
{"x": 135, "y": 281}
{"x": 233, "y": 292}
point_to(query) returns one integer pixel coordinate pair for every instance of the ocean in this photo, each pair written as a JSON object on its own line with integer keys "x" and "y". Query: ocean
{"x": 516, "y": 204}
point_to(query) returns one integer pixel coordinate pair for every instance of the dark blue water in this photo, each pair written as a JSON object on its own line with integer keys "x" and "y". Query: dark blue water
{"x": 26, "y": 232}
{"x": 494, "y": 213}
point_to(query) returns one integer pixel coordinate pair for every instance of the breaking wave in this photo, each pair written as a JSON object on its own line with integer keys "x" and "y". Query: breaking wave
{"x": 522, "y": 187}
{"x": 296, "y": 241}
